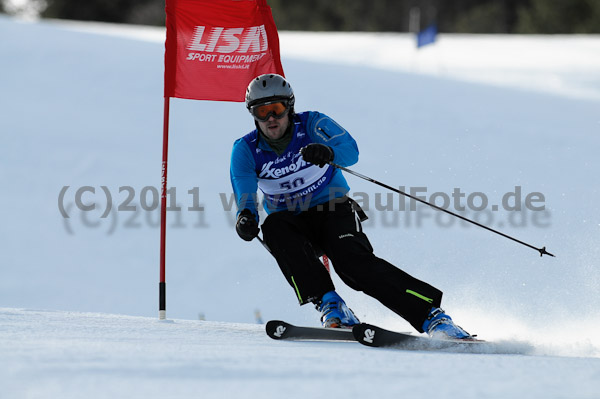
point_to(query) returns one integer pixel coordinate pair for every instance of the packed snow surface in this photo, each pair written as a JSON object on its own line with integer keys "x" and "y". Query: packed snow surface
{"x": 497, "y": 117}
{"x": 51, "y": 354}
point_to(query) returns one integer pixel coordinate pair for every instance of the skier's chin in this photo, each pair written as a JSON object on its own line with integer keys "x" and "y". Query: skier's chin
{"x": 274, "y": 132}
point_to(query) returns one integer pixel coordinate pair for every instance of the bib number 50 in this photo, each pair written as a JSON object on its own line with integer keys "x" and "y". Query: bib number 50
{"x": 291, "y": 184}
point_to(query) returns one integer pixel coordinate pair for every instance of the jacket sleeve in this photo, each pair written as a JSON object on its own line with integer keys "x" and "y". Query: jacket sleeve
{"x": 243, "y": 177}
{"x": 322, "y": 129}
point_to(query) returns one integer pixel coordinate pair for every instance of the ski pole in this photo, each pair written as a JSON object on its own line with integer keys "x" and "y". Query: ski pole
{"x": 264, "y": 244}
{"x": 542, "y": 250}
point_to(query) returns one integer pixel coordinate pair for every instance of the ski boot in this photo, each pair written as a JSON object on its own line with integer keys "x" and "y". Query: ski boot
{"x": 334, "y": 312}
{"x": 440, "y": 326}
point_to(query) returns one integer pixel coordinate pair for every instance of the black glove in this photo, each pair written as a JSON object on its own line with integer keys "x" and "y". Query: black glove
{"x": 247, "y": 226}
{"x": 318, "y": 154}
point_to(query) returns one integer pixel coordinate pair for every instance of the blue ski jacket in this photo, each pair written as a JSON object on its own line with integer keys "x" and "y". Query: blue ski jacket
{"x": 287, "y": 181}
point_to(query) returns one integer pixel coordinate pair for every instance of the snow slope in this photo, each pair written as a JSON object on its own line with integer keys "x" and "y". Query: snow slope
{"x": 82, "y": 106}
{"x": 54, "y": 354}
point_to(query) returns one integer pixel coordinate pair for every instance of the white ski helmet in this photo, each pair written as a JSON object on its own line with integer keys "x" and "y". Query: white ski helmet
{"x": 269, "y": 88}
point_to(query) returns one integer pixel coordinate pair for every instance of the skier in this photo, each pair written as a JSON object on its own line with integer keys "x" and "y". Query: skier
{"x": 287, "y": 156}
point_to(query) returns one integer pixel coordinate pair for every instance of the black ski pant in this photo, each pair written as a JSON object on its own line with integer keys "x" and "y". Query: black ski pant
{"x": 296, "y": 240}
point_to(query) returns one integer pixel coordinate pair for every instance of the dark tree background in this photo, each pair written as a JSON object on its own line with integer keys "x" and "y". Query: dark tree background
{"x": 461, "y": 16}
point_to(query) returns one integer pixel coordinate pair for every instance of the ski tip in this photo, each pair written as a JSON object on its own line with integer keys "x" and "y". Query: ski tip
{"x": 276, "y": 329}
{"x": 365, "y": 334}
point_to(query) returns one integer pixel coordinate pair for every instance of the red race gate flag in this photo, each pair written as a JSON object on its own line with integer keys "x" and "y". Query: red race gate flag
{"x": 214, "y": 48}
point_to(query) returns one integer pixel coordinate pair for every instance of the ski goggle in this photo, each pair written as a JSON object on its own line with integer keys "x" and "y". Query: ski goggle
{"x": 263, "y": 112}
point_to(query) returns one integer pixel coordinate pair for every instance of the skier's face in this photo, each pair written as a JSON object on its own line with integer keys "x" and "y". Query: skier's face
{"x": 274, "y": 128}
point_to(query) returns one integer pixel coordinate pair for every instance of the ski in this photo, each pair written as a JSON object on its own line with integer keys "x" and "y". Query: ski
{"x": 278, "y": 329}
{"x": 373, "y": 336}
